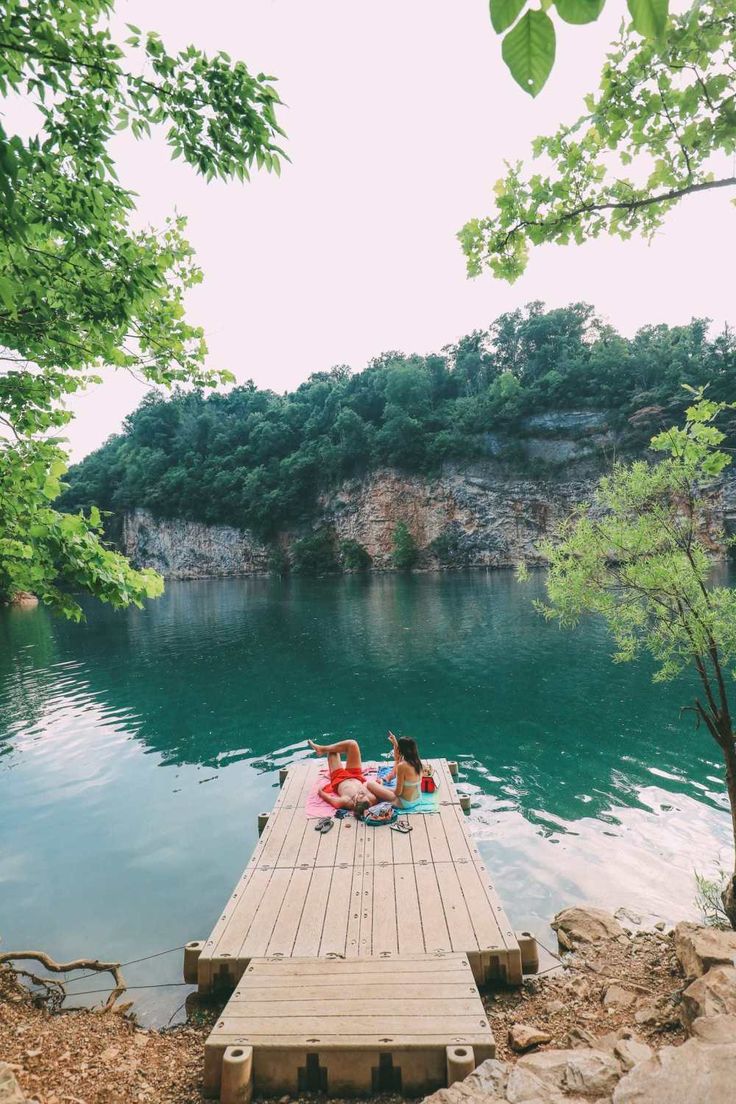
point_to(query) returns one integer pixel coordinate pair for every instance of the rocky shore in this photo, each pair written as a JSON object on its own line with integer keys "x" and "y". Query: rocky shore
{"x": 630, "y": 1016}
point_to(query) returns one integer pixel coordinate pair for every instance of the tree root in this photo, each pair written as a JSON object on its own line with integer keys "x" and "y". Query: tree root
{"x": 56, "y": 987}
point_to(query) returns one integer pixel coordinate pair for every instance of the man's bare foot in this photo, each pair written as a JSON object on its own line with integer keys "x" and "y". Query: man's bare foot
{"x": 318, "y": 749}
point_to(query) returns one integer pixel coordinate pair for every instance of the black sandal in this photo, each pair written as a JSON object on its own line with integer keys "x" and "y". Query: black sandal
{"x": 323, "y": 825}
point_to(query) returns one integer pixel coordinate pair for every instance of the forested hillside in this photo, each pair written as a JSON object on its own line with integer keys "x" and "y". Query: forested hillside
{"x": 256, "y": 459}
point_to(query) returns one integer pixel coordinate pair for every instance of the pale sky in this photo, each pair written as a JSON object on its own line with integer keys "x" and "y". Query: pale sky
{"x": 400, "y": 116}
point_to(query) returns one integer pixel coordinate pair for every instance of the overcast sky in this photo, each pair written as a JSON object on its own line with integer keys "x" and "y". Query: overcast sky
{"x": 400, "y": 116}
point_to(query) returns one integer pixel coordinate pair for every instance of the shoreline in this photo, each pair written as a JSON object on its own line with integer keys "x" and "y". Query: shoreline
{"x": 620, "y": 995}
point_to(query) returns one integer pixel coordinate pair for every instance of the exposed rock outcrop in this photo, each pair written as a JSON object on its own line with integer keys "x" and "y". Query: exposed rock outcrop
{"x": 478, "y": 514}
{"x": 188, "y": 550}
{"x": 698, "y": 948}
{"x": 687, "y": 1074}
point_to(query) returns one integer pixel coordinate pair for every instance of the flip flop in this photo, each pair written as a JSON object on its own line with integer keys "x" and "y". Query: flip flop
{"x": 402, "y": 826}
{"x": 323, "y": 825}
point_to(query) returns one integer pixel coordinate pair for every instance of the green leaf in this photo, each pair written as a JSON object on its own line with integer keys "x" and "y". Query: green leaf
{"x": 649, "y": 16}
{"x": 529, "y": 51}
{"x": 7, "y": 293}
{"x": 504, "y": 12}
{"x": 579, "y": 11}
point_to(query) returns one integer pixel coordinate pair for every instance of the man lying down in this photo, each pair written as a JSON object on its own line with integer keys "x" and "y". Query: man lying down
{"x": 348, "y": 787}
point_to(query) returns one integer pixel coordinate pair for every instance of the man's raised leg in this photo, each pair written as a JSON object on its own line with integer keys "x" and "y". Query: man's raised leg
{"x": 349, "y": 748}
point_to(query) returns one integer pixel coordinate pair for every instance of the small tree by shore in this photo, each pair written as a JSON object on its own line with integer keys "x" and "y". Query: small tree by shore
{"x": 405, "y": 552}
{"x": 640, "y": 556}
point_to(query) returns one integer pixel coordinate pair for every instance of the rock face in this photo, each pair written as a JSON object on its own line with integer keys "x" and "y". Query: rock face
{"x": 480, "y": 514}
{"x": 689, "y": 1074}
{"x": 713, "y": 994}
{"x": 9, "y": 1089}
{"x": 698, "y": 948}
{"x": 585, "y": 925}
{"x": 187, "y": 550}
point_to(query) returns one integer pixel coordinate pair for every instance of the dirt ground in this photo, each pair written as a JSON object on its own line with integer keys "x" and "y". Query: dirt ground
{"x": 92, "y": 1058}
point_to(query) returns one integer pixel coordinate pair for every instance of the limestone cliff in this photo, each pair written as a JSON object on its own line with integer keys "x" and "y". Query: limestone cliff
{"x": 475, "y": 515}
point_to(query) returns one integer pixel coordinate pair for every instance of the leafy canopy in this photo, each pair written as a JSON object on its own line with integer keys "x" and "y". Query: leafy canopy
{"x": 529, "y": 47}
{"x": 80, "y": 289}
{"x": 664, "y": 115}
{"x": 258, "y": 460}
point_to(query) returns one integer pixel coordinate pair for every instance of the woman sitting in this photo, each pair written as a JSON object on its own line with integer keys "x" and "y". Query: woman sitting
{"x": 407, "y": 770}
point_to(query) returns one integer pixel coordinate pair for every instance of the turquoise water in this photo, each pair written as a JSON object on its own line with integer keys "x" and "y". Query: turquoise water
{"x": 136, "y": 750}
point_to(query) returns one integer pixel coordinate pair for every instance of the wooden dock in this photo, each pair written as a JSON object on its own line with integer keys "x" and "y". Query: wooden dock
{"x": 354, "y": 954}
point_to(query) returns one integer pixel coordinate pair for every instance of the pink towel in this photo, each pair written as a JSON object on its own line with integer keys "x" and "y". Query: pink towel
{"x": 316, "y": 806}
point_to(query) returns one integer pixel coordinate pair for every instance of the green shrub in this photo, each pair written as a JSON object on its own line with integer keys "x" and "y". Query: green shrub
{"x": 278, "y": 561}
{"x": 315, "y": 555}
{"x": 405, "y": 551}
{"x": 355, "y": 556}
{"x": 448, "y": 547}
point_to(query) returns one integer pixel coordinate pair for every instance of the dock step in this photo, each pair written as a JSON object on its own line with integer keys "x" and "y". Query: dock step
{"x": 348, "y": 1026}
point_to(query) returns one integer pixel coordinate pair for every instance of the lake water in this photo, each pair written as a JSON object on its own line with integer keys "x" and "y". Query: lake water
{"x": 136, "y": 750}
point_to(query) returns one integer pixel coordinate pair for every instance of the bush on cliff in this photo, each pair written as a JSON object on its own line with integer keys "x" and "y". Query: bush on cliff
{"x": 355, "y": 556}
{"x": 315, "y": 555}
{"x": 405, "y": 552}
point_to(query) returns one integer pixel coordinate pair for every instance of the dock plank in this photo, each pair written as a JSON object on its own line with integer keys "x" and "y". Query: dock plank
{"x": 357, "y": 891}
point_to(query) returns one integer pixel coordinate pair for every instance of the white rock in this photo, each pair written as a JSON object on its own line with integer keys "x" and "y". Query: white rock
{"x": 616, "y": 996}
{"x": 585, "y": 925}
{"x": 694, "y": 1073}
{"x": 714, "y": 1029}
{"x": 713, "y": 994}
{"x": 626, "y": 914}
{"x": 698, "y": 948}
{"x": 9, "y": 1088}
{"x": 631, "y": 1051}
{"x": 523, "y": 1036}
{"x": 581, "y": 1070}
{"x": 485, "y": 1085}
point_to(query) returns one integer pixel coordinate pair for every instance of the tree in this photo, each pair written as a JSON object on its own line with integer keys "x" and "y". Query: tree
{"x": 405, "y": 552}
{"x": 641, "y": 559}
{"x": 665, "y": 109}
{"x": 529, "y": 42}
{"x": 79, "y": 288}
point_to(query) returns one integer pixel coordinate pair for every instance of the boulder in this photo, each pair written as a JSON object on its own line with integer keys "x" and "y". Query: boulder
{"x": 523, "y": 1036}
{"x": 630, "y": 1051}
{"x": 579, "y": 1037}
{"x": 714, "y": 1029}
{"x": 713, "y": 994}
{"x": 485, "y": 1085}
{"x": 585, "y": 925}
{"x": 583, "y": 1070}
{"x": 9, "y": 1088}
{"x": 698, "y": 948}
{"x": 694, "y": 1073}
{"x": 616, "y": 996}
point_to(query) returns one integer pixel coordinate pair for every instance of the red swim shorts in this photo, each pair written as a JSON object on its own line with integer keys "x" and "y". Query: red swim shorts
{"x": 339, "y": 775}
